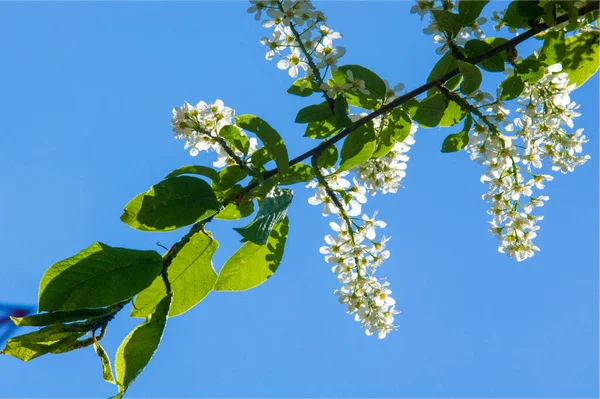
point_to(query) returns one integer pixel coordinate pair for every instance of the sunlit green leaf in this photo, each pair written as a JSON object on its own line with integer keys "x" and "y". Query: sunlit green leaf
{"x": 171, "y": 204}
{"x": 107, "y": 373}
{"x": 314, "y": 113}
{"x": 191, "y": 275}
{"x": 234, "y": 136}
{"x": 358, "y": 147}
{"x": 195, "y": 170}
{"x": 68, "y": 316}
{"x": 431, "y": 110}
{"x": 471, "y": 77}
{"x": 269, "y": 136}
{"x": 582, "y": 57}
{"x": 96, "y": 277}
{"x": 253, "y": 264}
{"x": 395, "y": 131}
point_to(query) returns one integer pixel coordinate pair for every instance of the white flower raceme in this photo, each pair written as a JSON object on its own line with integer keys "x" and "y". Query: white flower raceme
{"x": 299, "y": 32}
{"x": 199, "y": 126}
{"x": 514, "y": 157}
{"x": 355, "y": 254}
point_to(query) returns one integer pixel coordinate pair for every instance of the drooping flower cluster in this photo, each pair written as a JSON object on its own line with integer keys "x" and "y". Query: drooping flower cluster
{"x": 355, "y": 254}
{"x": 300, "y": 39}
{"x": 354, "y": 251}
{"x": 199, "y": 126}
{"x": 513, "y": 174}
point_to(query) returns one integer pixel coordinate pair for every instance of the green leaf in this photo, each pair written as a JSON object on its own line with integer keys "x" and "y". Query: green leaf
{"x": 444, "y": 65}
{"x": 513, "y": 19}
{"x": 191, "y": 275}
{"x": 452, "y": 115}
{"x": 554, "y": 49}
{"x": 530, "y": 70}
{"x": 373, "y": 83}
{"x": 260, "y": 157}
{"x": 512, "y": 88}
{"x": 431, "y": 110}
{"x": 529, "y": 9}
{"x": 270, "y": 138}
{"x": 271, "y": 212}
{"x": 328, "y": 157}
{"x": 97, "y": 276}
{"x": 458, "y": 141}
{"x": 358, "y": 147}
{"x": 477, "y": 47}
{"x": 228, "y": 177}
{"x": 234, "y": 136}
{"x": 46, "y": 319}
{"x": 107, "y": 373}
{"x": 314, "y": 113}
{"x": 253, "y": 264}
{"x": 448, "y": 22}
{"x": 397, "y": 129}
{"x": 583, "y": 57}
{"x": 360, "y": 100}
{"x": 298, "y": 173}
{"x": 471, "y": 77}
{"x": 234, "y": 211}
{"x": 495, "y": 42}
{"x": 469, "y": 10}
{"x": 171, "y": 204}
{"x": 53, "y": 339}
{"x": 321, "y": 129}
{"x": 302, "y": 87}
{"x": 195, "y": 170}
{"x": 136, "y": 350}
{"x": 340, "y": 114}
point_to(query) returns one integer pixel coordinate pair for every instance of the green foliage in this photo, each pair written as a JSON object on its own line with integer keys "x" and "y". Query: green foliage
{"x": 234, "y": 136}
{"x": 530, "y": 70}
{"x": 302, "y": 87}
{"x": 191, "y": 275}
{"x": 431, "y": 110}
{"x": 228, "y": 177}
{"x": 512, "y": 17}
{"x": 52, "y": 339}
{"x": 234, "y": 210}
{"x": 395, "y": 131}
{"x": 195, "y": 170}
{"x": 471, "y": 77}
{"x": 554, "y": 49}
{"x": 270, "y": 138}
{"x": 139, "y": 346}
{"x": 340, "y": 114}
{"x": 529, "y": 9}
{"x": 444, "y": 65}
{"x": 512, "y": 87}
{"x": 297, "y": 173}
{"x": 475, "y": 47}
{"x": 448, "y": 22}
{"x": 469, "y": 10}
{"x": 321, "y": 129}
{"x": 107, "y": 373}
{"x": 271, "y": 212}
{"x": 582, "y": 57}
{"x": 495, "y": 42}
{"x": 457, "y": 141}
{"x": 97, "y": 276}
{"x": 452, "y": 114}
{"x": 253, "y": 264}
{"x": 358, "y": 147}
{"x": 46, "y": 319}
{"x": 373, "y": 83}
{"x": 328, "y": 157}
{"x": 171, "y": 204}
{"x": 314, "y": 113}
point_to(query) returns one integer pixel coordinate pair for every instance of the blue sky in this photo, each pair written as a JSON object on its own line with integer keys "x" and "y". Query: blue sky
{"x": 87, "y": 93}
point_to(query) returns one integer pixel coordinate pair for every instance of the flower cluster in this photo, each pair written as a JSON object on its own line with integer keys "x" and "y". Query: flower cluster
{"x": 423, "y": 7}
{"x": 513, "y": 158}
{"x": 386, "y": 173}
{"x": 300, "y": 38}
{"x": 199, "y": 126}
{"x": 355, "y": 254}
{"x": 354, "y": 251}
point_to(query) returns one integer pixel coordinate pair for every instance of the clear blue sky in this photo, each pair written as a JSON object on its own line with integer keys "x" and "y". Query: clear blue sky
{"x": 87, "y": 92}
